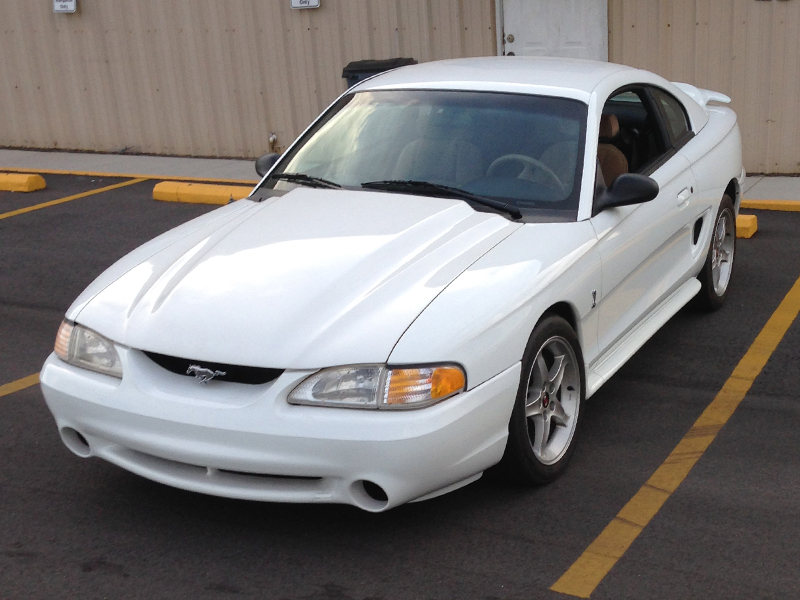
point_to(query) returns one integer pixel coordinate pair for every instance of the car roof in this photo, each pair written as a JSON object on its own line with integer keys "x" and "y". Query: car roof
{"x": 569, "y": 77}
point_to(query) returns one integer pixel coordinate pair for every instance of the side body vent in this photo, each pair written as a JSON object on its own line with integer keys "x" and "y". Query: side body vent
{"x": 233, "y": 373}
{"x": 698, "y": 227}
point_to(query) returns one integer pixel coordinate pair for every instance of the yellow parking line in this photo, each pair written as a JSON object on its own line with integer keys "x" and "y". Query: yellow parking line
{"x": 599, "y": 558}
{"x": 252, "y": 182}
{"x": 21, "y": 211}
{"x": 19, "y": 384}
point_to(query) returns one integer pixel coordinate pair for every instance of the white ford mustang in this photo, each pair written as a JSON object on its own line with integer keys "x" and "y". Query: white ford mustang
{"x": 431, "y": 281}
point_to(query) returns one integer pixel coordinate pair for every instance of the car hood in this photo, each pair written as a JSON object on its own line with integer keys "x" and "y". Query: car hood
{"x": 309, "y": 279}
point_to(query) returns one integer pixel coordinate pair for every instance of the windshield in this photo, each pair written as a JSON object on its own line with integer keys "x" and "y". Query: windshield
{"x": 520, "y": 149}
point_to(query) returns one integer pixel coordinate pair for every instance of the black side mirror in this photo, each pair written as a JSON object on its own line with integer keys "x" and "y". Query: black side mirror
{"x": 626, "y": 189}
{"x": 264, "y": 163}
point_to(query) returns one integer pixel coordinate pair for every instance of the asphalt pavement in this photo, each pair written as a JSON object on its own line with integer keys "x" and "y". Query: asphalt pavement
{"x": 87, "y": 529}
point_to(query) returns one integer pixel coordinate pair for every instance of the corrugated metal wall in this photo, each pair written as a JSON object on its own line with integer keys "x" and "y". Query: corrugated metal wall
{"x": 204, "y": 77}
{"x": 747, "y": 49}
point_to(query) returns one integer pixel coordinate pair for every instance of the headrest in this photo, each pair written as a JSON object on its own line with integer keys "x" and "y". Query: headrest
{"x": 609, "y": 126}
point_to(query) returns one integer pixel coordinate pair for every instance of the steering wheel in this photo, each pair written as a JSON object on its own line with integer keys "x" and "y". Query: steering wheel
{"x": 529, "y": 164}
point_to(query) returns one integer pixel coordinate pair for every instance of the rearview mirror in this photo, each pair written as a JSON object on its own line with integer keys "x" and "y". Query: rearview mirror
{"x": 626, "y": 189}
{"x": 264, "y": 163}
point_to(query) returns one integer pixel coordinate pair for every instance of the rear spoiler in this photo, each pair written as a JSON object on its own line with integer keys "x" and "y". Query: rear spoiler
{"x": 701, "y": 96}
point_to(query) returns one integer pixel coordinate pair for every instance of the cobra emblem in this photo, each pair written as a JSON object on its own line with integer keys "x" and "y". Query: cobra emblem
{"x": 202, "y": 374}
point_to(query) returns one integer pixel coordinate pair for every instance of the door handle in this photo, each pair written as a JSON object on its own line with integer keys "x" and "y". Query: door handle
{"x": 684, "y": 195}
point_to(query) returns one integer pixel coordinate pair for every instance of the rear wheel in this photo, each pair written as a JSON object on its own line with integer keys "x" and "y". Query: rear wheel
{"x": 715, "y": 277}
{"x": 544, "y": 422}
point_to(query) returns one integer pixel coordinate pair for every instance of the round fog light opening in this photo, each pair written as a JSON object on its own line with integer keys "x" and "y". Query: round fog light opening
{"x": 75, "y": 441}
{"x": 375, "y": 491}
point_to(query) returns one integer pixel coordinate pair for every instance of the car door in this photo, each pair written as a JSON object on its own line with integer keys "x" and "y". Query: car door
{"x": 643, "y": 246}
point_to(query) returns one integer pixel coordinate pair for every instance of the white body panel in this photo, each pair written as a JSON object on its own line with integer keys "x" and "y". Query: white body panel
{"x": 151, "y": 424}
{"x": 716, "y": 157}
{"x": 321, "y": 278}
{"x": 311, "y": 279}
{"x": 646, "y": 250}
{"x": 533, "y": 269}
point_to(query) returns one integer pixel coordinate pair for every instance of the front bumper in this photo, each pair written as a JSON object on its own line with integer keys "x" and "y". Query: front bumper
{"x": 246, "y": 441}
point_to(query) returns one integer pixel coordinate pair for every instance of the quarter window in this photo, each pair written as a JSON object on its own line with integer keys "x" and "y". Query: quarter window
{"x": 674, "y": 115}
{"x": 630, "y": 125}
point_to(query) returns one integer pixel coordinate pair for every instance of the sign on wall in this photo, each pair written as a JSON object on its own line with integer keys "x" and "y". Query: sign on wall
{"x": 65, "y": 6}
{"x": 305, "y": 3}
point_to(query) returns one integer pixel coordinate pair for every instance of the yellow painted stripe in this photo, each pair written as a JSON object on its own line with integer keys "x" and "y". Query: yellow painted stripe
{"x": 27, "y": 209}
{"x": 253, "y": 182}
{"x": 199, "y": 193}
{"x": 599, "y": 558}
{"x": 746, "y": 226}
{"x": 19, "y": 384}
{"x": 784, "y": 205}
{"x": 21, "y": 182}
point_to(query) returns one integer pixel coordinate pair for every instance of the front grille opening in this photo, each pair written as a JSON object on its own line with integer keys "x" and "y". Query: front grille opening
{"x": 268, "y": 476}
{"x": 233, "y": 373}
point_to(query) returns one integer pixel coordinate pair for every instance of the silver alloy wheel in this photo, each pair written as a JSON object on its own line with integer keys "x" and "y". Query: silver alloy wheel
{"x": 722, "y": 247}
{"x": 552, "y": 400}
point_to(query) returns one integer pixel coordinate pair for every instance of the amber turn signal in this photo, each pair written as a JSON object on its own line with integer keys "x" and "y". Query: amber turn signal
{"x": 446, "y": 381}
{"x": 417, "y": 387}
{"x": 62, "y": 340}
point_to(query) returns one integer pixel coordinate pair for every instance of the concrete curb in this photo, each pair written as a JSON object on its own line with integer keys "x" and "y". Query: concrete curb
{"x": 747, "y": 225}
{"x": 199, "y": 193}
{"x": 21, "y": 182}
{"x": 126, "y": 175}
{"x": 784, "y": 205}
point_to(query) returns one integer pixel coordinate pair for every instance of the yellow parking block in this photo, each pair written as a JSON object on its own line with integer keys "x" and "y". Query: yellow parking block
{"x": 21, "y": 182}
{"x": 199, "y": 193}
{"x": 746, "y": 226}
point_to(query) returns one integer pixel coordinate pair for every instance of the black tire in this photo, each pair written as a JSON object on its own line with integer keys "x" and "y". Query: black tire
{"x": 717, "y": 270}
{"x": 522, "y": 461}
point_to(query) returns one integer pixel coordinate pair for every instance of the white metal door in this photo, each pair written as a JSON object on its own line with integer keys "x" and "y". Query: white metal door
{"x": 568, "y": 28}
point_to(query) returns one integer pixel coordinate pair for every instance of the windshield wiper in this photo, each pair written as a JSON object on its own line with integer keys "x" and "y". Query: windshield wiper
{"x": 309, "y": 180}
{"x": 411, "y": 186}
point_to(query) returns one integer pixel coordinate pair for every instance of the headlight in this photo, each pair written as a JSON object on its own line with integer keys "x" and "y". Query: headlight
{"x": 378, "y": 386}
{"x": 85, "y": 348}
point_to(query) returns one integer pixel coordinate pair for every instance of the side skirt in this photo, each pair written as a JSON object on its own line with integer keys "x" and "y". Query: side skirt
{"x": 611, "y": 361}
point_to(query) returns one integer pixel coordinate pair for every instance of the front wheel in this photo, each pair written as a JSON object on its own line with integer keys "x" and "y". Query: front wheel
{"x": 715, "y": 277}
{"x": 544, "y": 422}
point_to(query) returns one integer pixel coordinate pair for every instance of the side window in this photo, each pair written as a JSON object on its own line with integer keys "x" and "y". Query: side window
{"x": 674, "y": 115}
{"x": 631, "y": 136}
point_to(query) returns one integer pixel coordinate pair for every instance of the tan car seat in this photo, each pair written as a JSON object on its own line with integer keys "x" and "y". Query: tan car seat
{"x": 612, "y": 161}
